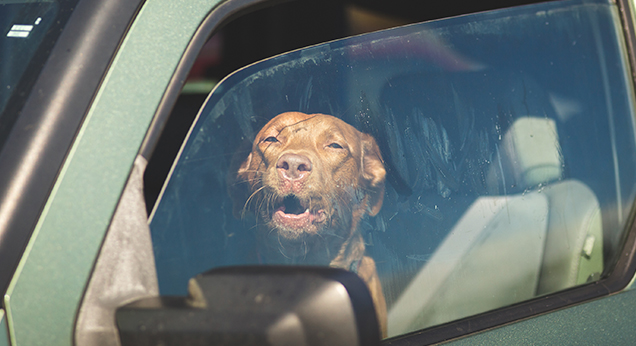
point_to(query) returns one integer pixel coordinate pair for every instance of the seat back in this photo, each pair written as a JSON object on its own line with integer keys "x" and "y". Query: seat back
{"x": 510, "y": 247}
{"x": 532, "y": 159}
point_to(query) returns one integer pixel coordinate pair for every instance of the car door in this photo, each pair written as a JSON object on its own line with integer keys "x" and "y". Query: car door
{"x": 480, "y": 228}
{"x": 128, "y": 114}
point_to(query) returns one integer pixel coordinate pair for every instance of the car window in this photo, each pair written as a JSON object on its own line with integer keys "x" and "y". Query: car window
{"x": 457, "y": 166}
{"x": 27, "y": 33}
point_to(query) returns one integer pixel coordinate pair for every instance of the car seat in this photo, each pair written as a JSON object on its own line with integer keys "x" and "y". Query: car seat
{"x": 509, "y": 248}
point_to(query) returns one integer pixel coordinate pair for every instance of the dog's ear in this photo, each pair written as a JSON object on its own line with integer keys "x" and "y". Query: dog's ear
{"x": 242, "y": 170}
{"x": 373, "y": 172}
{"x": 238, "y": 187}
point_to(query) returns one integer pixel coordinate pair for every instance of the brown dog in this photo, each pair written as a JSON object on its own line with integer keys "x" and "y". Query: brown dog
{"x": 309, "y": 180}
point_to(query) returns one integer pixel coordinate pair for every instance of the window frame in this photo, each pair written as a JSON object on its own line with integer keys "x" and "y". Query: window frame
{"x": 66, "y": 231}
{"x": 59, "y": 97}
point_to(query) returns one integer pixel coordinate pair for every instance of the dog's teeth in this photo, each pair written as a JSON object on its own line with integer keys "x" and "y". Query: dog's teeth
{"x": 306, "y": 211}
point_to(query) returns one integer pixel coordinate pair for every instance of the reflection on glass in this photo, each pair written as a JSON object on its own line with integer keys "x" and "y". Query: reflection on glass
{"x": 466, "y": 164}
{"x": 23, "y": 27}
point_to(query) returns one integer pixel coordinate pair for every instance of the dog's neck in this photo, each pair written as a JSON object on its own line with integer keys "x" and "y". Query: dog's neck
{"x": 350, "y": 253}
{"x": 320, "y": 252}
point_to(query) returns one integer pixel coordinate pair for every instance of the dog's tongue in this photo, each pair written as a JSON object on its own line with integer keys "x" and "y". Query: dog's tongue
{"x": 292, "y": 215}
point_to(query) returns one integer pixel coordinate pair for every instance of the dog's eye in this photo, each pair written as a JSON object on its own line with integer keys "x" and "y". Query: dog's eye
{"x": 270, "y": 139}
{"x": 335, "y": 146}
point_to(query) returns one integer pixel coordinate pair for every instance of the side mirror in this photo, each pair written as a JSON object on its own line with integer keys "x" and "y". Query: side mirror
{"x": 259, "y": 305}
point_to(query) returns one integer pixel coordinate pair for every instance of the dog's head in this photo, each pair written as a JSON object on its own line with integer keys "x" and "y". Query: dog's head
{"x": 310, "y": 175}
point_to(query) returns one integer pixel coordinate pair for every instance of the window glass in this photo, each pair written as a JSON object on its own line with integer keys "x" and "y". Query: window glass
{"x": 457, "y": 166}
{"x": 28, "y": 30}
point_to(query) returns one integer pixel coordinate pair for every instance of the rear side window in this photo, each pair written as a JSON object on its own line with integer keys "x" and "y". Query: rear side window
{"x": 28, "y": 30}
{"x": 457, "y": 166}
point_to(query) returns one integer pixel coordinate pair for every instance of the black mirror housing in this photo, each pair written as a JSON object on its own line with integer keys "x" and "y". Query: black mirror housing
{"x": 257, "y": 305}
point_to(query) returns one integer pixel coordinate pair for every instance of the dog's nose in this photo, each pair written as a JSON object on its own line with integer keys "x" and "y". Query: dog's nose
{"x": 294, "y": 166}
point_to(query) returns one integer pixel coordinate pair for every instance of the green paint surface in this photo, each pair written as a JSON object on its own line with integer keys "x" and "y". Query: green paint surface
{"x": 606, "y": 321}
{"x": 4, "y": 331}
{"x": 46, "y": 291}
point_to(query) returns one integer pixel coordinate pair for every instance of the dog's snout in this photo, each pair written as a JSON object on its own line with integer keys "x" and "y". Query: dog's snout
{"x": 294, "y": 166}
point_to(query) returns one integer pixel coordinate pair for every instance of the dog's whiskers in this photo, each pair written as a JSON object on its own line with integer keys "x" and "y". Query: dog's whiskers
{"x": 305, "y": 250}
{"x": 281, "y": 248}
{"x": 249, "y": 199}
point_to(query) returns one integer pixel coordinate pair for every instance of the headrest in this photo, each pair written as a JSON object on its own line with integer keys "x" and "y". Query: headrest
{"x": 529, "y": 154}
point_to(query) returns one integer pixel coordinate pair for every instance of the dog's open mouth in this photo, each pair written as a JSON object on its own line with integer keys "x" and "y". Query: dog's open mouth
{"x": 294, "y": 213}
{"x": 293, "y": 205}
